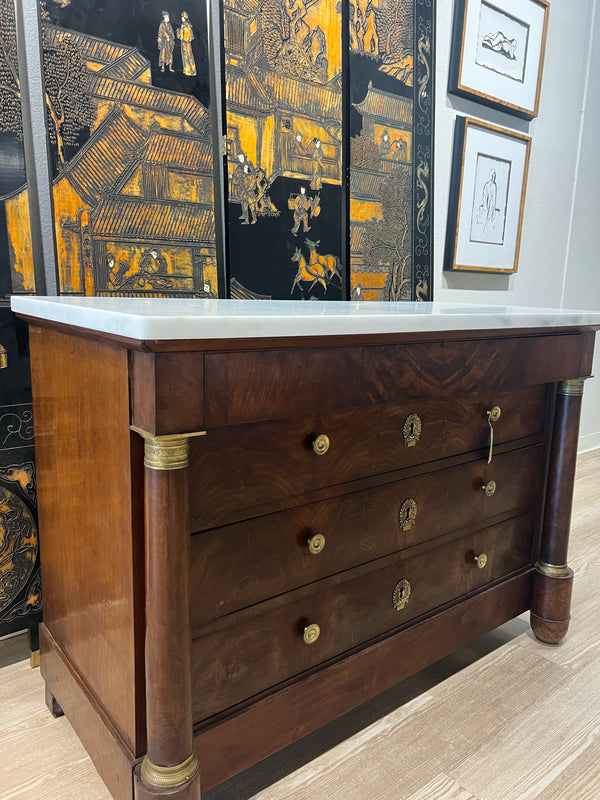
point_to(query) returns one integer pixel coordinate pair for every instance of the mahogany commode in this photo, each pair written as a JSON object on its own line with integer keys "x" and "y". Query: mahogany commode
{"x": 256, "y": 516}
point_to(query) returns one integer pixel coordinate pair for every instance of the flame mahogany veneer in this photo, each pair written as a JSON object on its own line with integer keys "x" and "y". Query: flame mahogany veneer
{"x": 177, "y": 601}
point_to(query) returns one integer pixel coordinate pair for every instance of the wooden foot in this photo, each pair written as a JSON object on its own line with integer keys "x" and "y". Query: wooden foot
{"x": 53, "y": 706}
{"x": 175, "y": 783}
{"x": 551, "y": 605}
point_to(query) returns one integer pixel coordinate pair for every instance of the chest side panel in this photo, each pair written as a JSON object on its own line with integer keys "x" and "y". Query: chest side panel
{"x": 87, "y": 513}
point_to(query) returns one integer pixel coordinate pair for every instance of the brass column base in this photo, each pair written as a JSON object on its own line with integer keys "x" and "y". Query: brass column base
{"x": 181, "y": 782}
{"x": 551, "y": 603}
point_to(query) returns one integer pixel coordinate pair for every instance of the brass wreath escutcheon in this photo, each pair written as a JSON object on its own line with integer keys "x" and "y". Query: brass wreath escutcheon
{"x": 408, "y": 514}
{"x": 401, "y": 596}
{"x": 412, "y": 429}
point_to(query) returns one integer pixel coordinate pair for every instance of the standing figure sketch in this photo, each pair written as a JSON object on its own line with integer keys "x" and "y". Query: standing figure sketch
{"x": 488, "y": 198}
{"x": 166, "y": 43}
{"x": 186, "y": 36}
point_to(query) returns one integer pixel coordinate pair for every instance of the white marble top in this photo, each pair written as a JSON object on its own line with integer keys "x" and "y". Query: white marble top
{"x": 160, "y": 319}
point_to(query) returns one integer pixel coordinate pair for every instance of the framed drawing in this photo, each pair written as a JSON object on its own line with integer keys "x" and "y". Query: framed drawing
{"x": 498, "y": 53}
{"x": 487, "y": 196}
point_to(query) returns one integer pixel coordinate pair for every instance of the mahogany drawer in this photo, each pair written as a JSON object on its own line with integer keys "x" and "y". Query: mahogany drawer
{"x": 247, "y": 562}
{"x": 240, "y": 655}
{"x": 248, "y": 470}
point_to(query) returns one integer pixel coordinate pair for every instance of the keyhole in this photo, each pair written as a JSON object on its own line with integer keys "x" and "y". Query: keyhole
{"x": 412, "y": 428}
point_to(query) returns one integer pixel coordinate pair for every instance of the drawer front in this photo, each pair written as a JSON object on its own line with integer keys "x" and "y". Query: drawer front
{"x": 238, "y": 472}
{"x": 242, "y": 564}
{"x": 257, "y": 648}
{"x": 286, "y": 383}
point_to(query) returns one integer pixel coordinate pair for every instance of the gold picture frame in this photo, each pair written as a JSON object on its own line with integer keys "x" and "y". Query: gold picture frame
{"x": 487, "y": 197}
{"x": 498, "y": 53}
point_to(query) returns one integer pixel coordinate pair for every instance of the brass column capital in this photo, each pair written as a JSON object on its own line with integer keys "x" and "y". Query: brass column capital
{"x": 552, "y": 570}
{"x": 166, "y": 452}
{"x": 572, "y": 388}
{"x": 158, "y": 777}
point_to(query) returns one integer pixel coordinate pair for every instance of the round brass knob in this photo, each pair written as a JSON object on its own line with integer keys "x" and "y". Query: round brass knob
{"x": 480, "y": 560}
{"x": 311, "y": 633}
{"x": 494, "y": 413}
{"x": 316, "y": 543}
{"x": 489, "y": 488}
{"x": 321, "y": 444}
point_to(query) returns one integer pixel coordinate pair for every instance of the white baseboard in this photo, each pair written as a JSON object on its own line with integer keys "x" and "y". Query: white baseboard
{"x": 589, "y": 442}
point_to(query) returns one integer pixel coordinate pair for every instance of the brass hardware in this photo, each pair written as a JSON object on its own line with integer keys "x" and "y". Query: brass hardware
{"x": 412, "y": 429}
{"x": 408, "y": 514}
{"x": 480, "y": 560}
{"x": 316, "y": 544}
{"x": 3, "y": 357}
{"x": 169, "y": 777}
{"x": 321, "y": 444}
{"x": 34, "y": 659}
{"x": 402, "y": 591}
{"x": 572, "y": 388}
{"x": 493, "y": 415}
{"x": 552, "y": 570}
{"x": 166, "y": 452}
{"x": 489, "y": 488}
{"x": 311, "y": 633}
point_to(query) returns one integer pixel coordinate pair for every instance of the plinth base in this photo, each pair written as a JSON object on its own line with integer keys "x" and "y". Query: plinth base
{"x": 551, "y": 605}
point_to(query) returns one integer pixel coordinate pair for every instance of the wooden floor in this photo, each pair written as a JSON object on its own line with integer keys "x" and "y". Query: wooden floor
{"x": 505, "y": 719}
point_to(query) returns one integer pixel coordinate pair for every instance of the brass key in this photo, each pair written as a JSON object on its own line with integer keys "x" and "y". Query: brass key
{"x": 493, "y": 415}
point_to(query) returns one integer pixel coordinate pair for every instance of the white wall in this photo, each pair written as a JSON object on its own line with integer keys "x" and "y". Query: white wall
{"x": 582, "y": 277}
{"x": 559, "y": 264}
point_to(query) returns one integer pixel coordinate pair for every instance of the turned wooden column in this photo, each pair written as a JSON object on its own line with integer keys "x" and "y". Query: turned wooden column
{"x": 170, "y": 767}
{"x": 553, "y": 579}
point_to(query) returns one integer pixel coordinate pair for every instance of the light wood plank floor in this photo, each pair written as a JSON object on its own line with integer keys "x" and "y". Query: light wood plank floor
{"x": 507, "y": 718}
